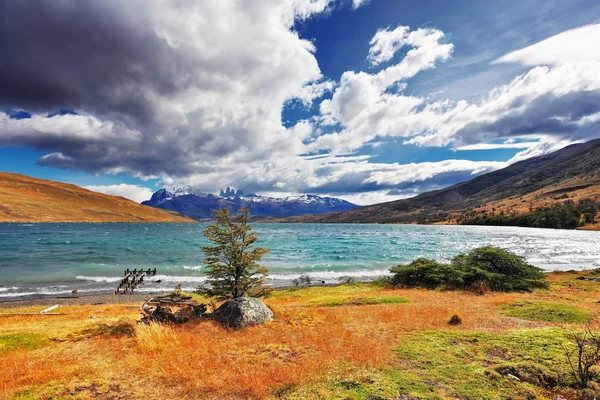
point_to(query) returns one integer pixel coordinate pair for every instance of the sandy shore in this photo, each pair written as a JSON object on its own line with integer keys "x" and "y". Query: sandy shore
{"x": 87, "y": 299}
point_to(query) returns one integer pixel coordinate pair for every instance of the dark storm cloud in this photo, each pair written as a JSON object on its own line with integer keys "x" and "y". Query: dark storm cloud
{"x": 159, "y": 88}
{"x": 82, "y": 55}
{"x": 548, "y": 114}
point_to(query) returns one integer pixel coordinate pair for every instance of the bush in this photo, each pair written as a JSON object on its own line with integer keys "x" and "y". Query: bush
{"x": 500, "y": 270}
{"x": 426, "y": 273}
{"x": 455, "y": 319}
{"x": 489, "y": 267}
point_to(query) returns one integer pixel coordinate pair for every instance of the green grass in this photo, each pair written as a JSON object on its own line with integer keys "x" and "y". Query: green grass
{"x": 458, "y": 364}
{"x": 16, "y": 341}
{"x": 547, "y": 311}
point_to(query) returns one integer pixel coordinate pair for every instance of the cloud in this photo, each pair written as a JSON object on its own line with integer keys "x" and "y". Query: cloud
{"x": 193, "y": 92}
{"x": 358, "y": 3}
{"x": 559, "y": 101}
{"x": 161, "y": 89}
{"x": 579, "y": 45}
{"x": 427, "y": 171}
{"x": 496, "y": 146}
{"x": 131, "y": 192}
{"x": 386, "y": 43}
{"x": 368, "y": 105}
{"x": 547, "y": 103}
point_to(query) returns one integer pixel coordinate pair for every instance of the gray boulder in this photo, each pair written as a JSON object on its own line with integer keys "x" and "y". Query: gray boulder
{"x": 242, "y": 312}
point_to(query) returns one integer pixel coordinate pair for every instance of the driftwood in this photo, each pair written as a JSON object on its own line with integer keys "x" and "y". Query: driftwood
{"x": 43, "y": 312}
{"x": 157, "y": 310}
{"x": 25, "y": 314}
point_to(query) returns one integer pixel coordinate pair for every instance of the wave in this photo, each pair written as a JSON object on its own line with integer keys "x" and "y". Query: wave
{"x": 108, "y": 279}
{"x": 163, "y": 278}
{"x": 333, "y": 275}
{"x": 43, "y": 292}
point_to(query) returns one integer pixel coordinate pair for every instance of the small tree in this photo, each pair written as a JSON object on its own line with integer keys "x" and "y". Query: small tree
{"x": 232, "y": 263}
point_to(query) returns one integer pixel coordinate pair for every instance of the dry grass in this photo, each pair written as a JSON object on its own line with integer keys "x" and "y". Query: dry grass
{"x": 25, "y": 199}
{"x": 574, "y": 189}
{"x": 204, "y": 360}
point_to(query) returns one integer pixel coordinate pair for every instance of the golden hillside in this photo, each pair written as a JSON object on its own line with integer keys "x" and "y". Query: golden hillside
{"x": 26, "y": 199}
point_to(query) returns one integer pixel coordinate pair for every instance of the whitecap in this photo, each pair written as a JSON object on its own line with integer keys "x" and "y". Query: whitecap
{"x": 175, "y": 278}
{"x": 194, "y": 268}
{"x": 99, "y": 278}
{"x": 334, "y": 275}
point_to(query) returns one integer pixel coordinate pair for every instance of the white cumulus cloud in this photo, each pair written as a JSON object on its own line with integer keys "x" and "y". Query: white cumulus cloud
{"x": 131, "y": 192}
{"x": 577, "y": 45}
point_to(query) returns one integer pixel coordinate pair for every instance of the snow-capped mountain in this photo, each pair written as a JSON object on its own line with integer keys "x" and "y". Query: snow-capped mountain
{"x": 229, "y": 192}
{"x": 196, "y": 204}
{"x": 168, "y": 193}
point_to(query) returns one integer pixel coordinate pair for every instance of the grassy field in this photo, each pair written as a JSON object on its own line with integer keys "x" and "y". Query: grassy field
{"x": 354, "y": 341}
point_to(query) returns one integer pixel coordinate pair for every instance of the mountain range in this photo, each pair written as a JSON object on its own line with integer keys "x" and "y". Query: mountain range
{"x": 198, "y": 205}
{"x": 568, "y": 178}
{"x": 571, "y": 173}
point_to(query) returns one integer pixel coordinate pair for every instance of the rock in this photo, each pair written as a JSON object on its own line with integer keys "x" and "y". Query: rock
{"x": 242, "y": 312}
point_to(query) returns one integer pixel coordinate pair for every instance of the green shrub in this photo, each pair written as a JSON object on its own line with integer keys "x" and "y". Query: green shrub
{"x": 491, "y": 267}
{"x": 500, "y": 270}
{"x": 426, "y": 273}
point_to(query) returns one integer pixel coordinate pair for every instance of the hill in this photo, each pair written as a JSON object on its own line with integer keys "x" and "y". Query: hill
{"x": 26, "y": 199}
{"x": 199, "y": 205}
{"x": 572, "y": 173}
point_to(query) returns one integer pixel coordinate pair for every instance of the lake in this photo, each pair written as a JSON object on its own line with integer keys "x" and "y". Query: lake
{"x": 57, "y": 258}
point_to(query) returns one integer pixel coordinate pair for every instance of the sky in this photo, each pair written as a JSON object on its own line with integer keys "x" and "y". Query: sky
{"x": 365, "y": 100}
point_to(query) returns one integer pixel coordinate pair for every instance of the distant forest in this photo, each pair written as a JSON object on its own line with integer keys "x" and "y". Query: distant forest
{"x": 565, "y": 215}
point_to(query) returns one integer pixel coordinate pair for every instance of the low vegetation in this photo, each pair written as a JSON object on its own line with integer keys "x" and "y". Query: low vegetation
{"x": 361, "y": 301}
{"x": 379, "y": 342}
{"x": 564, "y": 215}
{"x": 547, "y": 311}
{"x": 23, "y": 341}
{"x": 482, "y": 269}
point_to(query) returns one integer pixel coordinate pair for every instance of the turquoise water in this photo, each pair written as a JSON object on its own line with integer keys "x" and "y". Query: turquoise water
{"x": 57, "y": 258}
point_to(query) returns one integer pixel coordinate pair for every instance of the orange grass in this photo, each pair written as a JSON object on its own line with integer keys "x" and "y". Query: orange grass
{"x": 207, "y": 361}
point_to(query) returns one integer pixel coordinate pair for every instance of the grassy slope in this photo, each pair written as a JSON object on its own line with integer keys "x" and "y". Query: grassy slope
{"x": 323, "y": 343}
{"x": 25, "y": 199}
{"x": 537, "y": 182}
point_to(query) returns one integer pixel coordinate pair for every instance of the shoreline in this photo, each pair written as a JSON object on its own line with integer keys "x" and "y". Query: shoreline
{"x": 83, "y": 299}
{"x": 109, "y": 298}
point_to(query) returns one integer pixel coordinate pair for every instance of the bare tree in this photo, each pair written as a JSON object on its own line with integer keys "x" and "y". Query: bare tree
{"x": 583, "y": 354}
